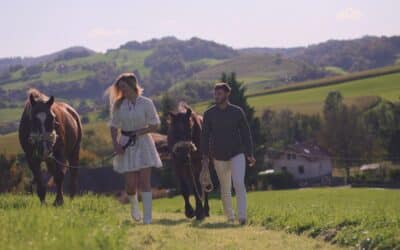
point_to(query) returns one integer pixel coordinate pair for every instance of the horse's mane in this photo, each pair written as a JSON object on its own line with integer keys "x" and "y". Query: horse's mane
{"x": 37, "y": 95}
{"x": 195, "y": 119}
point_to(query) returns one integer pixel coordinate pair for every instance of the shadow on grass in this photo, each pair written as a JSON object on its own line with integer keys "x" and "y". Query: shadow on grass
{"x": 170, "y": 222}
{"x": 213, "y": 225}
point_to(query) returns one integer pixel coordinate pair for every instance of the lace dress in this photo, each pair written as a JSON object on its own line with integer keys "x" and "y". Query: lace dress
{"x": 129, "y": 117}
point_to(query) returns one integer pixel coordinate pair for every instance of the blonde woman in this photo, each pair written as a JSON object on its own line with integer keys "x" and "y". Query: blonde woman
{"x": 132, "y": 118}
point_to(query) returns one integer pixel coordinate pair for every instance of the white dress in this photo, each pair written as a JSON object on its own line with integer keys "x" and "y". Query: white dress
{"x": 129, "y": 117}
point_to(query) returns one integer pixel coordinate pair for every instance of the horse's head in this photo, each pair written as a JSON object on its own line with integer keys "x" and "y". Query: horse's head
{"x": 43, "y": 124}
{"x": 180, "y": 125}
{"x": 180, "y": 134}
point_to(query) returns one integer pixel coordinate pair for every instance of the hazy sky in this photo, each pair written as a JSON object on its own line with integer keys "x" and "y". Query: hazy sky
{"x": 36, "y": 27}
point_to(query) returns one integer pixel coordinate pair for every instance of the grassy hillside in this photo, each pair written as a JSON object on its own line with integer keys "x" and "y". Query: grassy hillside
{"x": 362, "y": 93}
{"x": 124, "y": 60}
{"x": 257, "y": 71}
{"x": 9, "y": 142}
{"x": 344, "y": 78}
{"x": 310, "y": 100}
{"x": 359, "y": 218}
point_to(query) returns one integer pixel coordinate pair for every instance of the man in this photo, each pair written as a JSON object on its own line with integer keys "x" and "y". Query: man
{"x": 226, "y": 139}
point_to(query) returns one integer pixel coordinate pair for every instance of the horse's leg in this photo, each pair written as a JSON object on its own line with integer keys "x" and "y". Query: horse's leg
{"x": 200, "y": 213}
{"x": 37, "y": 175}
{"x": 58, "y": 173}
{"x": 206, "y": 206}
{"x": 189, "y": 212}
{"x": 73, "y": 181}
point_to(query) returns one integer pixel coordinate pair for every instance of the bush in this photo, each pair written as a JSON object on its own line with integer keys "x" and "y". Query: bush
{"x": 394, "y": 175}
{"x": 13, "y": 178}
{"x": 279, "y": 180}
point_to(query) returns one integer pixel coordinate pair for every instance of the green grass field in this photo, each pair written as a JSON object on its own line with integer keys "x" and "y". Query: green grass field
{"x": 296, "y": 219}
{"x": 9, "y": 143}
{"x": 251, "y": 69}
{"x": 124, "y": 60}
{"x": 10, "y": 114}
{"x": 311, "y": 100}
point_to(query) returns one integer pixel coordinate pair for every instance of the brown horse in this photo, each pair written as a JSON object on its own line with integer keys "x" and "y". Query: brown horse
{"x": 50, "y": 132}
{"x": 183, "y": 142}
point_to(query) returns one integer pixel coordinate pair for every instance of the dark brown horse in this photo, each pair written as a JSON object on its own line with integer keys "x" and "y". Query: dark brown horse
{"x": 184, "y": 141}
{"x": 50, "y": 132}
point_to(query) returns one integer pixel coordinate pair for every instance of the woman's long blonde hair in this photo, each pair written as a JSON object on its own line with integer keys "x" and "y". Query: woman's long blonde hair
{"x": 114, "y": 92}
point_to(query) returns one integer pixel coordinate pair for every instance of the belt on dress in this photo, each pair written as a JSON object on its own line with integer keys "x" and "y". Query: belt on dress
{"x": 132, "y": 138}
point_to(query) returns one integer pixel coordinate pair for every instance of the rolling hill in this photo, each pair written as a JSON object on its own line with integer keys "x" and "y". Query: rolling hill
{"x": 182, "y": 67}
{"x": 257, "y": 71}
{"x": 362, "y": 92}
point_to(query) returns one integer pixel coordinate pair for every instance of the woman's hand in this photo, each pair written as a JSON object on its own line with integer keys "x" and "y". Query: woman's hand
{"x": 251, "y": 160}
{"x": 149, "y": 129}
{"x": 118, "y": 148}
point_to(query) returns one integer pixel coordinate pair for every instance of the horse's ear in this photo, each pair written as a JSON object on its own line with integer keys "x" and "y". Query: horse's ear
{"x": 50, "y": 101}
{"x": 32, "y": 99}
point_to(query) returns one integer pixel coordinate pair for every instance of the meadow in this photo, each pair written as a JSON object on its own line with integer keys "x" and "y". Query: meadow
{"x": 310, "y": 100}
{"x": 327, "y": 218}
{"x": 123, "y": 59}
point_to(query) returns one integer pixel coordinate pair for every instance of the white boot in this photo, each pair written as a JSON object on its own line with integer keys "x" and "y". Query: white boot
{"x": 147, "y": 207}
{"x": 135, "y": 212}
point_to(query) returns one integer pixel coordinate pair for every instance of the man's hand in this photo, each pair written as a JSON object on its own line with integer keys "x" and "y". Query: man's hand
{"x": 251, "y": 160}
{"x": 205, "y": 161}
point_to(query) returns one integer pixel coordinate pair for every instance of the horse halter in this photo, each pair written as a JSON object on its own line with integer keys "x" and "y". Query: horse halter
{"x": 184, "y": 144}
{"x": 49, "y": 137}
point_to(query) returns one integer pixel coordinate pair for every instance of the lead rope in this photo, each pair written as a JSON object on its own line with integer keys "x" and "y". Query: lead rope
{"x": 130, "y": 142}
{"x": 204, "y": 179}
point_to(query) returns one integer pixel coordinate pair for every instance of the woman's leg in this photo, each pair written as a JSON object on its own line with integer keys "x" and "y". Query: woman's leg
{"x": 238, "y": 164}
{"x": 145, "y": 179}
{"x": 131, "y": 185}
{"x": 145, "y": 186}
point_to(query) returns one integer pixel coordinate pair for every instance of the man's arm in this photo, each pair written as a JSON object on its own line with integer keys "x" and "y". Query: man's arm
{"x": 245, "y": 133}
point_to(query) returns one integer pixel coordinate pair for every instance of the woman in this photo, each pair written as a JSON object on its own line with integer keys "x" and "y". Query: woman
{"x": 135, "y": 116}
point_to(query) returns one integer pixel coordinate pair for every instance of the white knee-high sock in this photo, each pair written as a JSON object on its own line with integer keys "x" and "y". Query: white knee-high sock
{"x": 147, "y": 207}
{"x": 135, "y": 212}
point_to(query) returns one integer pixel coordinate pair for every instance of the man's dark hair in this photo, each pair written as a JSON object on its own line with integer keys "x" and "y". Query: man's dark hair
{"x": 222, "y": 85}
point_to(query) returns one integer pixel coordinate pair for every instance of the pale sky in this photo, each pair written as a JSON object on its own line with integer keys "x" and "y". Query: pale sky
{"x": 37, "y": 27}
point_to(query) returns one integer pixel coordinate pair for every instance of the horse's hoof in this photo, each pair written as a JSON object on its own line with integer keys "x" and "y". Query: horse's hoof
{"x": 200, "y": 214}
{"x": 58, "y": 203}
{"x": 189, "y": 212}
{"x": 200, "y": 217}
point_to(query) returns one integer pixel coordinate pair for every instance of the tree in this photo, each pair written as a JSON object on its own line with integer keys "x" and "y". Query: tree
{"x": 238, "y": 97}
{"x": 343, "y": 133}
{"x": 285, "y": 127}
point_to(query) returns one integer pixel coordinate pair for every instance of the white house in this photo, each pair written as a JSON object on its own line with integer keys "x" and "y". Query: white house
{"x": 308, "y": 163}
